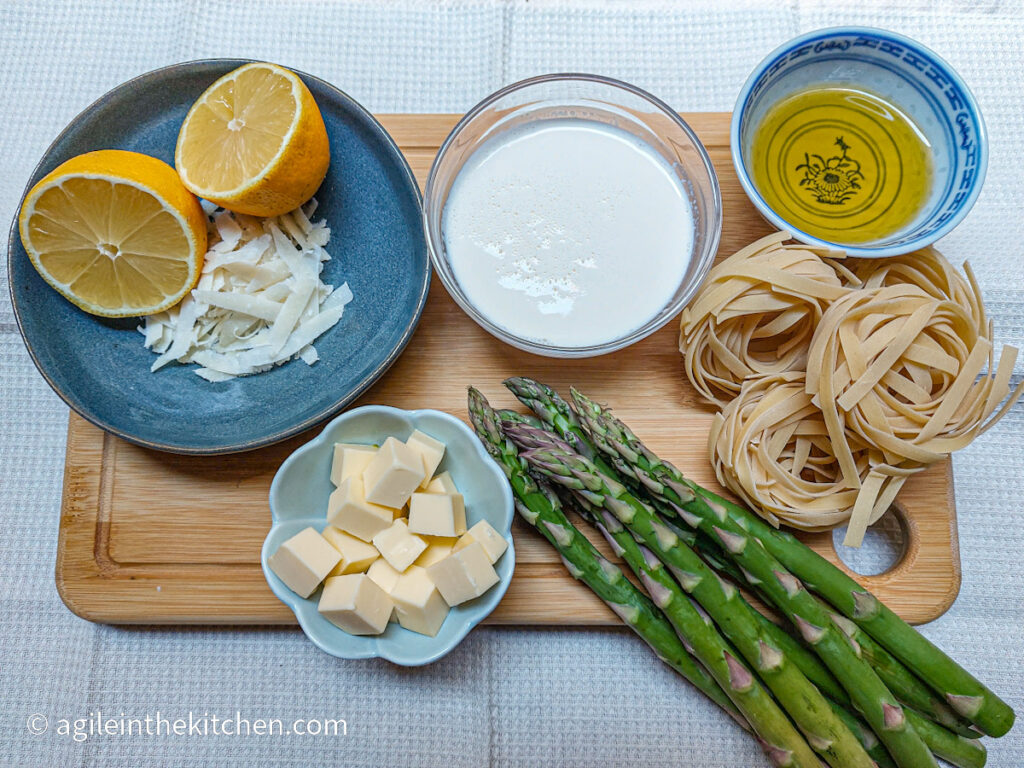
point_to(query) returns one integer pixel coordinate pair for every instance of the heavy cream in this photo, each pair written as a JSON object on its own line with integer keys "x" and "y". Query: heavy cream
{"x": 569, "y": 232}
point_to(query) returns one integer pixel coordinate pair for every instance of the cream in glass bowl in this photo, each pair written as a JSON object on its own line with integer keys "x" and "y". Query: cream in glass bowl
{"x": 572, "y": 215}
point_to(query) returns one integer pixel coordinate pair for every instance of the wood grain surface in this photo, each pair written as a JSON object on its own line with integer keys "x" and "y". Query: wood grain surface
{"x": 148, "y": 537}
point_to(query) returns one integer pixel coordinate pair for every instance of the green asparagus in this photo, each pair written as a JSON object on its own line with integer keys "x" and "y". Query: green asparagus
{"x": 967, "y": 696}
{"x": 541, "y": 509}
{"x": 868, "y": 693}
{"x": 738, "y": 621}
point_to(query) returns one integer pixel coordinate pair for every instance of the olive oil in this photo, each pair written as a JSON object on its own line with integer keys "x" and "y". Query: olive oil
{"x": 842, "y": 164}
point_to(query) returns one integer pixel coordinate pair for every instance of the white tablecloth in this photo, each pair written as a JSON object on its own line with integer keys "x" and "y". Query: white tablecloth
{"x": 505, "y": 697}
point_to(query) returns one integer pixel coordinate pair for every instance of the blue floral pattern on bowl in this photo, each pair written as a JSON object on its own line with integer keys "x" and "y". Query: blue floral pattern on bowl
{"x": 894, "y": 66}
{"x": 298, "y": 498}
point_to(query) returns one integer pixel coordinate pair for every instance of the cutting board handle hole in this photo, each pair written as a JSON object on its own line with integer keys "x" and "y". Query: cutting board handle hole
{"x": 885, "y": 544}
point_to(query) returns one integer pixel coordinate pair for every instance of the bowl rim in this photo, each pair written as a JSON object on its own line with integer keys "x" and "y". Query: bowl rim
{"x": 496, "y": 593}
{"x": 705, "y": 260}
{"x": 780, "y": 223}
{"x": 324, "y": 413}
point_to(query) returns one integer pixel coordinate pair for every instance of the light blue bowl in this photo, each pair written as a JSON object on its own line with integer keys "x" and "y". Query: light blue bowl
{"x": 298, "y": 498}
{"x": 891, "y": 65}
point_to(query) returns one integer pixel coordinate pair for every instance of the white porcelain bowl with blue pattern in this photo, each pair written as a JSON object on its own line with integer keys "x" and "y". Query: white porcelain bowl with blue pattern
{"x": 892, "y": 66}
{"x": 298, "y": 498}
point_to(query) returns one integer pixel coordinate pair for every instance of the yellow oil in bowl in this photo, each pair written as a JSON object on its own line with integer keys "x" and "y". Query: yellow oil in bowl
{"x": 841, "y": 164}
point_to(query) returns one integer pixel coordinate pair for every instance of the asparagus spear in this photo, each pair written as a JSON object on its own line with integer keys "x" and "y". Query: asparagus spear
{"x": 966, "y": 695}
{"x": 901, "y": 681}
{"x": 866, "y": 691}
{"x": 865, "y": 735}
{"x": 897, "y": 678}
{"x": 740, "y": 623}
{"x": 755, "y": 637}
{"x": 954, "y": 749}
{"x": 558, "y": 415}
{"x": 541, "y": 509}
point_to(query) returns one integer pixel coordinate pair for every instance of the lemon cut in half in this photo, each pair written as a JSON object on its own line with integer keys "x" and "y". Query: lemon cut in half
{"x": 115, "y": 232}
{"x": 254, "y": 142}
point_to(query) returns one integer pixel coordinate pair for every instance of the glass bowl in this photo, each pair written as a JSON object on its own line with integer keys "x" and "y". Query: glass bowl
{"x": 594, "y": 98}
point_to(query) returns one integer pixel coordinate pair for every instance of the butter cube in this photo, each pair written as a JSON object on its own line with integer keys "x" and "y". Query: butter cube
{"x": 463, "y": 575}
{"x": 348, "y": 509}
{"x": 393, "y": 474}
{"x": 494, "y": 543}
{"x": 399, "y": 547}
{"x": 430, "y": 450}
{"x": 303, "y": 561}
{"x": 356, "y": 555}
{"x": 355, "y": 604}
{"x": 385, "y": 577}
{"x": 437, "y": 514}
{"x": 443, "y": 483}
{"x": 418, "y": 604}
{"x": 350, "y": 459}
{"x": 438, "y": 548}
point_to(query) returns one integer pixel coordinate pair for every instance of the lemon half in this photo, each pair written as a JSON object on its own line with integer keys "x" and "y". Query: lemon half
{"x": 254, "y": 142}
{"x": 115, "y": 232}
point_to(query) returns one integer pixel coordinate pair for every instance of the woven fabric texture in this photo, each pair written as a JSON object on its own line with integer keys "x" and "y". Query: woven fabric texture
{"x": 505, "y": 697}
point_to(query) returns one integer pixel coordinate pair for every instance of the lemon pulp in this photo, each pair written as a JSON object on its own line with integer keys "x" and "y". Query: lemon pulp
{"x": 115, "y": 232}
{"x": 254, "y": 142}
{"x": 842, "y": 164}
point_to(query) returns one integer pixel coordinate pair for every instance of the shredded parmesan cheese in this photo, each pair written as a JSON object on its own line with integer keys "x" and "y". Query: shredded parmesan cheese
{"x": 260, "y": 301}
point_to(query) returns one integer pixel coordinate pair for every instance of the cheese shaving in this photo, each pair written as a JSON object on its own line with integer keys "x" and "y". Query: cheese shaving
{"x": 259, "y": 301}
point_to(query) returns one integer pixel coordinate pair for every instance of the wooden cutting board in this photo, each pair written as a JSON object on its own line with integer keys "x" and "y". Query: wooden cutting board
{"x": 148, "y": 537}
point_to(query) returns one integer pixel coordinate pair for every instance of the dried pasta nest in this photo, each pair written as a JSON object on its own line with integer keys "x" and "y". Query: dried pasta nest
{"x": 756, "y": 313}
{"x": 837, "y": 380}
{"x": 930, "y": 271}
{"x": 771, "y": 446}
{"x": 902, "y": 369}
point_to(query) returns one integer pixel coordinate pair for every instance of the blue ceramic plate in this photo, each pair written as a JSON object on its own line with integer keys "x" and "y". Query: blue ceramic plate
{"x": 372, "y": 204}
{"x": 298, "y": 499}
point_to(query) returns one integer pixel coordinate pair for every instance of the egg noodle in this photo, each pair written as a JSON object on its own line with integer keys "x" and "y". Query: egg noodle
{"x": 772, "y": 447}
{"x": 756, "y": 313}
{"x": 847, "y": 379}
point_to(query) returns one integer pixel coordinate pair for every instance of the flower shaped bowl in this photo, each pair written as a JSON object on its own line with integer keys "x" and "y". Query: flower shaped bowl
{"x": 298, "y": 498}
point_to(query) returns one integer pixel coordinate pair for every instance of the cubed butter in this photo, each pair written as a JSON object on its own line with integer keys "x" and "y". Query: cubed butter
{"x": 418, "y": 604}
{"x": 356, "y": 555}
{"x": 443, "y": 483}
{"x": 350, "y": 459}
{"x": 437, "y": 514}
{"x": 303, "y": 561}
{"x": 438, "y": 548}
{"x": 430, "y": 450}
{"x": 494, "y": 543}
{"x": 399, "y": 547}
{"x": 463, "y": 575}
{"x": 385, "y": 577}
{"x": 348, "y": 509}
{"x": 355, "y": 603}
{"x": 393, "y": 474}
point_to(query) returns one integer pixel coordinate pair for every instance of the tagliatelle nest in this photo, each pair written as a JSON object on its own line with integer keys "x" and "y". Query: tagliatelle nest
{"x": 771, "y": 447}
{"x": 847, "y": 377}
{"x": 902, "y": 369}
{"x": 930, "y": 271}
{"x": 756, "y": 313}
